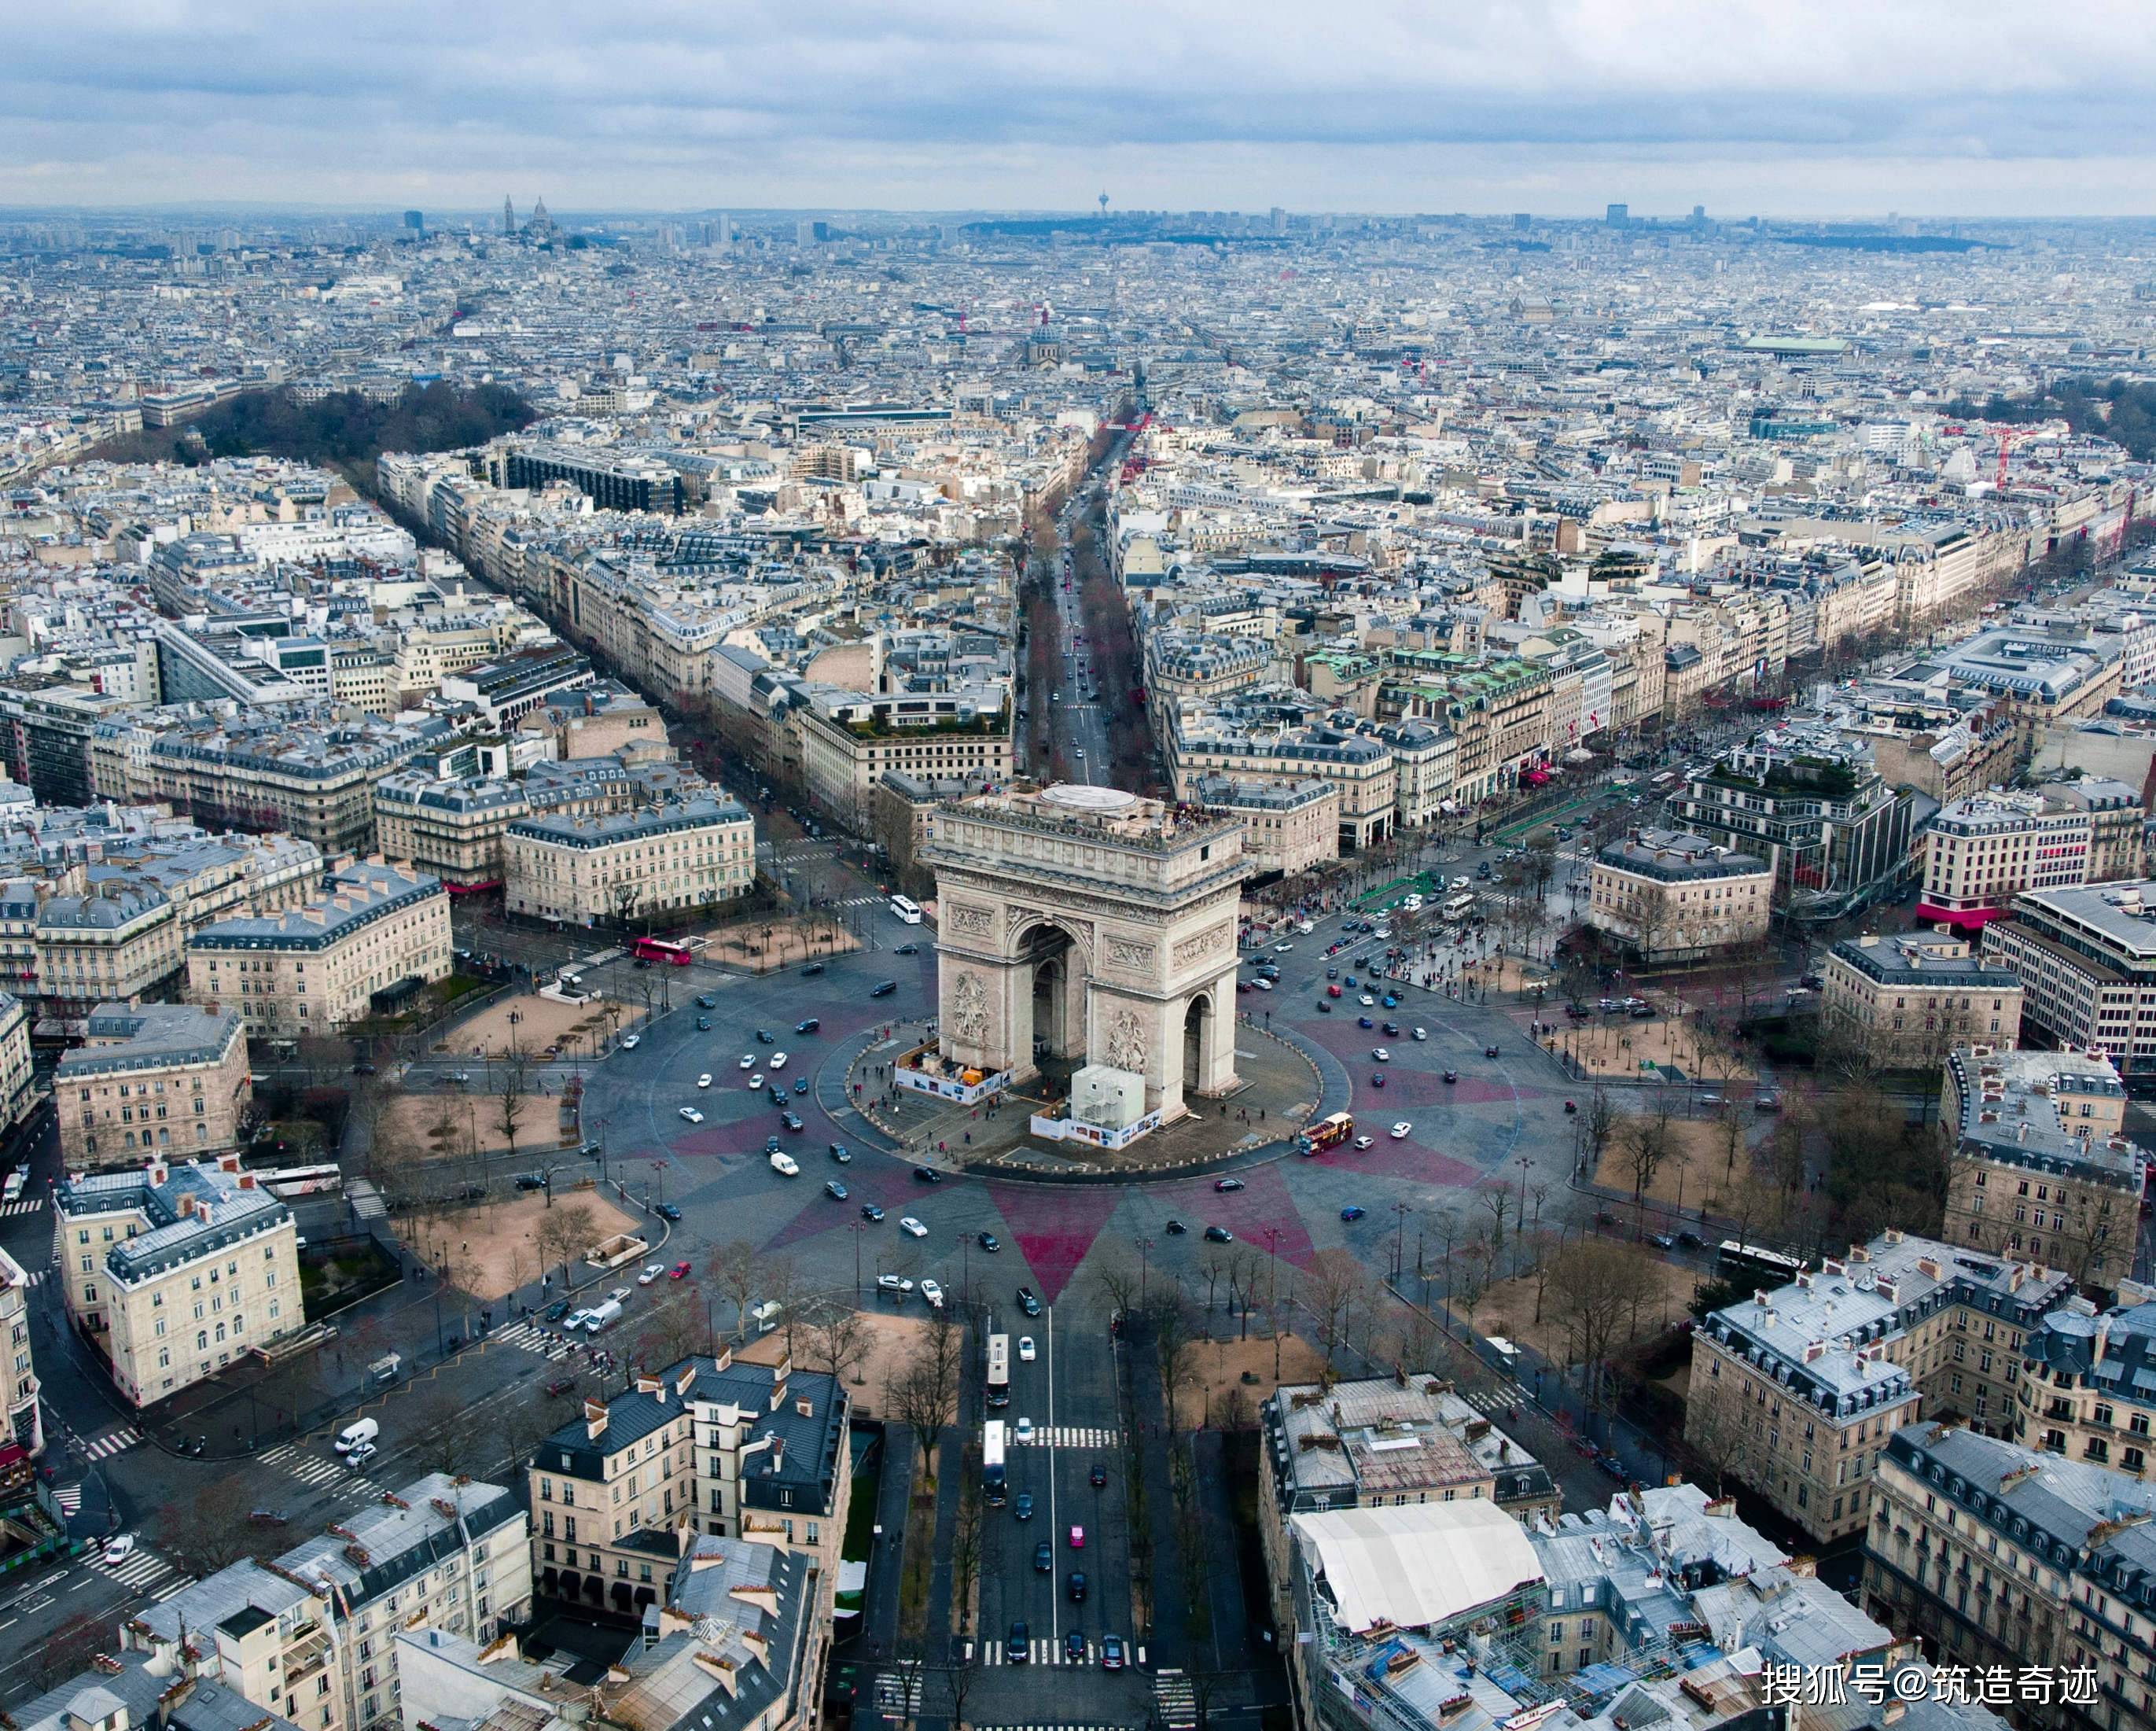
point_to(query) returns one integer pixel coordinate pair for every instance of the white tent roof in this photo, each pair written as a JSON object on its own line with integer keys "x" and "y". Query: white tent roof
{"x": 1423, "y": 1564}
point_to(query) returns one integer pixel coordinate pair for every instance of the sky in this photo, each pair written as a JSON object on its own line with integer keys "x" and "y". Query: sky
{"x": 1849, "y": 108}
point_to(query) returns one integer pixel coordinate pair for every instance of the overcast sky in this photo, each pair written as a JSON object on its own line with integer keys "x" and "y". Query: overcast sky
{"x": 1796, "y": 107}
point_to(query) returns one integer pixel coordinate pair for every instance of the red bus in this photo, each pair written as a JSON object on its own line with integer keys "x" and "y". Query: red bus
{"x": 1326, "y": 1133}
{"x": 657, "y": 949}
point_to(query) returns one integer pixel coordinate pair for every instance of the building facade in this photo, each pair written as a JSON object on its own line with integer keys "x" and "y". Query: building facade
{"x": 167, "y": 1078}
{"x": 693, "y": 852}
{"x": 2086, "y": 962}
{"x": 1670, "y": 896}
{"x": 1906, "y": 1001}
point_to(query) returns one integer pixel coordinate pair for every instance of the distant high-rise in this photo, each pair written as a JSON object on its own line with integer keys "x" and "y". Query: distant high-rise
{"x": 1618, "y": 216}
{"x": 1280, "y": 220}
{"x": 508, "y": 215}
{"x": 726, "y": 231}
{"x": 416, "y": 221}
{"x": 1521, "y": 220}
{"x": 1699, "y": 216}
{"x": 804, "y": 232}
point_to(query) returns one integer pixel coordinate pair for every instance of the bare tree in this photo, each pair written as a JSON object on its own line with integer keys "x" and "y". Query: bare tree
{"x": 1174, "y": 1346}
{"x": 925, "y": 1395}
{"x": 1473, "y": 1270}
{"x": 1646, "y": 1144}
{"x": 736, "y": 1273}
{"x": 562, "y": 1234}
{"x": 1120, "y": 1282}
{"x": 673, "y": 1329}
{"x": 1331, "y": 1291}
{"x": 1599, "y": 1285}
{"x": 839, "y": 1339}
{"x": 1496, "y": 1203}
{"x": 208, "y": 1528}
{"x": 511, "y": 1099}
{"x": 1603, "y": 1119}
{"x": 965, "y": 1547}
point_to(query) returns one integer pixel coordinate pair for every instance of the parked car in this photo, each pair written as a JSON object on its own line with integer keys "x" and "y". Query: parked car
{"x": 667, "y": 1212}
{"x": 651, "y": 1272}
{"x": 893, "y": 1285}
{"x": 1227, "y": 1184}
{"x": 1218, "y": 1234}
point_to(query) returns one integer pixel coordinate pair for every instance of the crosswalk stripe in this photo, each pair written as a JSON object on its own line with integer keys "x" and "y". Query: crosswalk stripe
{"x": 69, "y": 1497}
{"x": 112, "y": 1443}
{"x": 20, "y": 1207}
{"x": 1073, "y": 1436}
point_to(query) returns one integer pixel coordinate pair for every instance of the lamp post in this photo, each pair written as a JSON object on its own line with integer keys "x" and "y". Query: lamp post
{"x": 857, "y": 1229}
{"x": 1401, "y": 1210}
{"x": 1272, "y": 1293}
{"x": 1144, "y": 1246}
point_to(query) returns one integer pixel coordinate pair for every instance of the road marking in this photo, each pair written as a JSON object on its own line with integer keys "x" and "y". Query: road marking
{"x": 112, "y": 1442}
{"x": 1055, "y": 1600}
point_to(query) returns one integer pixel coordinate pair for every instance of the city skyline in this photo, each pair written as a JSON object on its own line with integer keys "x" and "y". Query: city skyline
{"x": 1556, "y": 108}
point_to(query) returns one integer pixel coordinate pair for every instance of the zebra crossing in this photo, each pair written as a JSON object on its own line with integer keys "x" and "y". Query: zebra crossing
{"x": 1072, "y": 1436}
{"x": 313, "y": 1470}
{"x": 21, "y": 1205}
{"x": 898, "y": 1695}
{"x": 35, "y": 1276}
{"x": 143, "y": 1570}
{"x": 1176, "y": 1701}
{"x": 533, "y": 1338}
{"x": 70, "y": 1498}
{"x": 1495, "y": 1401}
{"x": 1044, "y": 1652}
{"x": 113, "y": 1442}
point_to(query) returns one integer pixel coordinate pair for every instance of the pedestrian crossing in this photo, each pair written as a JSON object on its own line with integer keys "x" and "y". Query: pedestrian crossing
{"x": 113, "y": 1442}
{"x": 1072, "y": 1436}
{"x": 1493, "y": 1401}
{"x": 70, "y": 1498}
{"x": 141, "y": 1571}
{"x": 1176, "y": 1700}
{"x": 898, "y": 1696}
{"x": 311, "y": 1469}
{"x": 533, "y": 1338}
{"x": 860, "y": 901}
{"x": 20, "y": 1206}
{"x": 1043, "y": 1650}
{"x": 35, "y": 1276}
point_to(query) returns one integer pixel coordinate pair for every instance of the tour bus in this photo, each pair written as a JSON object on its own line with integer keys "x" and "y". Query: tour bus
{"x": 1456, "y": 906}
{"x": 999, "y": 1370}
{"x": 907, "y": 910}
{"x": 994, "y": 1484}
{"x": 289, "y": 1181}
{"x": 658, "y": 949}
{"x": 1753, "y": 1265}
{"x": 1327, "y": 1132}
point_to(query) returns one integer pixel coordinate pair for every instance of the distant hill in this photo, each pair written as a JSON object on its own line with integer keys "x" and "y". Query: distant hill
{"x": 345, "y": 431}
{"x": 2116, "y": 410}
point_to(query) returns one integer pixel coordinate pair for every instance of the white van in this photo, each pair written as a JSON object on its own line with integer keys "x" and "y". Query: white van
{"x": 361, "y": 1430}
{"x": 766, "y": 1315}
{"x": 11, "y": 1191}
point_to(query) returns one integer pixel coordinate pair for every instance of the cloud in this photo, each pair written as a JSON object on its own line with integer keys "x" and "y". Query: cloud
{"x": 1368, "y": 104}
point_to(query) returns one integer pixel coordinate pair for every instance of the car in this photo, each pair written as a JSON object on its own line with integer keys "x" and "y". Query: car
{"x": 785, "y": 1166}
{"x": 1691, "y": 1240}
{"x": 1402, "y": 1130}
{"x": 1017, "y": 1646}
{"x": 1022, "y": 1506}
{"x": 680, "y": 1271}
{"x": 1112, "y": 1652}
{"x": 1074, "y": 1648}
{"x": 120, "y": 1545}
{"x": 1077, "y": 1538}
{"x": 1081, "y": 753}
{"x": 1377, "y": 1078}
{"x": 631, "y": 1041}
{"x": 555, "y": 1312}
{"x": 1421, "y": 1034}
{"x": 361, "y": 1455}
{"x": 1366, "y": 1001}
{"x": 1350, "y": 982}
{"x": 1263, "y": 984}
{"x": 987, "y": 1241}
{"x": 1661, "y": 1240}
{"x": 912, "y": 1227}
{"x": 1176, "y": 1229}
{"x": 777, "y": 1095}
{"x": 840, "y": 1151}
{"x": 651, "y": 1272}
{"x": 705, "y": 1000}
{"x": 1363, "y": 1142}
{"x": 1391, "y": 1002}
{"x": 364, "y": 1068}
{"x": 933, "y": 1294}
{"x": 1382, "y": 1055}
{"x": 1227, "y": 1184}
{"x": 1452, "y": 1076}
{"x": 1351, "y": 1212}
{"x": 1026, "y": 1351}
{"x": 748, "y": 1062}
{"x": 928, "y": 1175}
{"x": 808, "y": 1024}
{"x": 884, "y": 990}
{"x": 667, "y": 1212}
{"x": 1614, "y": 1467}
{"x": 1324, "y": 1007}
{"x": 764, "y": 1037}
{"x": 789, "y": 1120}
{"x": 812, "y": 970}
{"x": 1029, "y": 1300}
{"x": 573, "y": 1324}
{"x": 692, "y": 1115}
{"x": 772, "y": 1144}
{"x": 800, "y": 1085}
{"x": 1044, "y": 1556}
{"x": 897, "y": 1285}
{"x": 1022, "y": 1431}
{"x": 1074, "y": 1586}
{"x": 1332, "y": 973}
{"x": 1218, "y": 1234}
{"x": 835, "y": 1190}
{"x": 1364, "y": 1021}
{"x": 777, "y": 1061}
{"x": 703, "y": 1025}
{"x": 1096, "y": 1475}
{"x": 1489, "y": 1051}
{"x": 561, "y": 1385}
{"x": 461, "y": 1077}
{"x": 1392, "y": 1031}
{"x": 870, "y": 1212}
{"x": 914, "y": 949}
{"x": 705, "y": 1080}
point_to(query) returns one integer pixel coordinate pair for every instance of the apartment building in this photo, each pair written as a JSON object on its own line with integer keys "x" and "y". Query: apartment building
{"x": 1995, "y": 1555}
{"x": 376, "y": 935}
{"x": 175, "y": 1272}
{"x": 2087, "y": 961}
{"x": 1288, "y": 827}
{"x": 1277, "y": 744}
{"x": 2088, "y": 1389}
{"x": 314, "y": 1634}
{"x": 118, "y": 939}
{"x": 1668, "y": 896}
{"x": 849, "y": 740}
{"x": 1906, "y": 1000}
{"x": 1796, "y": 1391}
{"x": 26, "y": 1422}
{"x": 2041, "y": 1169}
{"x": 20, "y": 1091}
{"x": 1983, "y": 850}
{"x": 166, "y": 1078}
{"x": 692, "y": 852}
{"x": 738, "y": 1451}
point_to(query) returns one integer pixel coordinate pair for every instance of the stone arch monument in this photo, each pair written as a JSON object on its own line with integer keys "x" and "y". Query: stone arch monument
{"x": 1089, "y": 924}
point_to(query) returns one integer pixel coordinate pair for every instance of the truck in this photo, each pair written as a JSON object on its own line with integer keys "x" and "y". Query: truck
{"x": 360, "y": 1431}
{"x": 603, "y": 1317}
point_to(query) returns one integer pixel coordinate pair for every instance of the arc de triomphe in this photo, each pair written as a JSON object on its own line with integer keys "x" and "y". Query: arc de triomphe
{"x": 1100, "y": 925}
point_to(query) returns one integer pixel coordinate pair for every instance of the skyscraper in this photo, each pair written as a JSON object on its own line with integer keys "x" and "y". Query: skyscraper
{"x": 508, "y": 215}
{"x": 416, "y": 221}
{"x": 1618, "y": 216}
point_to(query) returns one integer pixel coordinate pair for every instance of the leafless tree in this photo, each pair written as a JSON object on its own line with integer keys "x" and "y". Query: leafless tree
{"x": 925, "y": 1395}
{"x": 511, "y": 1099}
{"x": 564, "y": 1233}
{"x": 736, "y": 1270}
{"x": 1599, "y": 1286}
{"x": 1645, "y": 1144}
{"x": 1332, "y": 1291}
{"x": 209, "y": 1528}
{"x": 839, "y": 1339}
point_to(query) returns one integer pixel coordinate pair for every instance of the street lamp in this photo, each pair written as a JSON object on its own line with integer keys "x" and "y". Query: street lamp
{"x": 1144, "y": 1246}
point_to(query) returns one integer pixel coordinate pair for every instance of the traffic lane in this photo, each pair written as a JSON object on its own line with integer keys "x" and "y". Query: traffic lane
{"x": 1087, "y": 1398}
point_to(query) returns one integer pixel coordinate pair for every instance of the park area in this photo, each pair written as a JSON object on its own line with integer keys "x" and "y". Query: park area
{"x": 1624, "y": 1047}
{"x": 1214, "y": 1394}
{"x": 529, "y": 1023}
{"x": 1509, "y": 1310}
{"x": 1703, "y": 1161}
{"x": 467, "y": 1123}
{"x": 493, "y": 1247}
